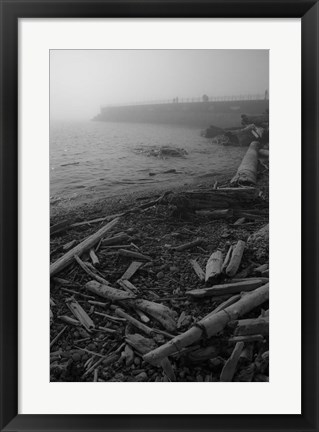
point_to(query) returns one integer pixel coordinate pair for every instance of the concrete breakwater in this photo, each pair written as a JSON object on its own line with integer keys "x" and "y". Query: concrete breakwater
{"x": 195, "y": 114}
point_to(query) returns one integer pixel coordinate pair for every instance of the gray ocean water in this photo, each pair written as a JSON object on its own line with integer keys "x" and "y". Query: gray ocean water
{"x": 89, "y": 160}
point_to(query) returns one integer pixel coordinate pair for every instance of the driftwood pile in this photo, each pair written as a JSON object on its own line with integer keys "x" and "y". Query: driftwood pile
{"x": 253, "y": 128}
{"x": 149, "y": 299}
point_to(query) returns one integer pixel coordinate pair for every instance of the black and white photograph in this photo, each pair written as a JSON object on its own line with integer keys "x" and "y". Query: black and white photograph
{"x": 159, "y": 215}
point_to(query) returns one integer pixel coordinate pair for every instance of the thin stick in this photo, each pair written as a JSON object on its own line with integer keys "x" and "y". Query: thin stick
{"x": 89, "y": 272}
{"x": 112, "y": 318}
{"x": 77, "y": 293}
{"x": 58, "y": 336}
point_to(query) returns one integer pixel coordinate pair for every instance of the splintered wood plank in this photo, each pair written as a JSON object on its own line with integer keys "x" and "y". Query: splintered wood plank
{"x": 197, "y": 269}
{"x": 134, "y": 266}
{"x": 80, "y": 314}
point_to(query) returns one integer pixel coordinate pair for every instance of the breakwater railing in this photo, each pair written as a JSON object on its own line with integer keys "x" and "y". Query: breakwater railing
{"x": 203, "y": 99}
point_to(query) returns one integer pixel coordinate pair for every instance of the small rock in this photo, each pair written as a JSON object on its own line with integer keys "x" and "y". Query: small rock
{"x": 141, "y": 377}
{"x": 160, "y": 275}
{"x": 137, "y": 361}
{"x": 159, "y": 338}
{"x": 174, "y": 269}
{"x": 76, "y": 357}
{"x": 182, "y": 374}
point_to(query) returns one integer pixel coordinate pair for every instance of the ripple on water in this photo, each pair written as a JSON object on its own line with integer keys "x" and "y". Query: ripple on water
{"x": 109, "y": 158}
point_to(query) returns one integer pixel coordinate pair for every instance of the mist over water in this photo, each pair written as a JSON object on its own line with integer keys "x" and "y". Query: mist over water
{"x": 92, "y": 160}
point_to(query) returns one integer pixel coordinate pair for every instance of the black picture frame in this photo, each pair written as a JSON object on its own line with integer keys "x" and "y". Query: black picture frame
{"x": 11, "y": 11}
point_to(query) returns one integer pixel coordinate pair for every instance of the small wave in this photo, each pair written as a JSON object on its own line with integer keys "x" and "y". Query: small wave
{"x": 70, "y": 163}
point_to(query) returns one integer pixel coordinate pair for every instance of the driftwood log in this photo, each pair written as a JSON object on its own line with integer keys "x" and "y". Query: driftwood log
{"x": 210, "y": 325}
{"x": 214, "y": 266}
{"x": 159, "y": 312}
{"x": 230, "y": 366}
{"x": 252, "y": 326}
{"x": 231, "y": 288}
{"x": 235, "y": 258}
{"x": 241, "y": 137}
{"x": 226, "y": 198}
{"x": 82, "y": 247}
{"x": 247, "y": 171}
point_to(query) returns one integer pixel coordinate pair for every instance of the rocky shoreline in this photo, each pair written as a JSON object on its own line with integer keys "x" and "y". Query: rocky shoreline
{"x": 155, "y": 256}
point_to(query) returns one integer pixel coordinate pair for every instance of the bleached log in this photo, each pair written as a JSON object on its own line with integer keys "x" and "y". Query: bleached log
{"x": 108, "y": 292}
{"x": 82, "y": 247}
{"x": 247, "y": 171}
{"x": 90, "y": 272}
{"x": 134, "y": 266}
{"x": 230, "y": 366}
{"x": 235, "y": 260}
{"x": 161, "y": 313}
{"x": 231, "y": 288}
{"x": 94, "y": 258}
{"x": 214, "y": 266}
{"x": 211, "y": 325}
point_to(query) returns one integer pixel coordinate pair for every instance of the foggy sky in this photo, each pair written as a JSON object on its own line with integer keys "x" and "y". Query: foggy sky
{"x": 83, "y": 80}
